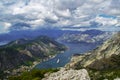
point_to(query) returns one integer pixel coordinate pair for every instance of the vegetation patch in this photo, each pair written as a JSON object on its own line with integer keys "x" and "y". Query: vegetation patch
{"x": 105, "y": 74}
{"x": 34, "y": 74}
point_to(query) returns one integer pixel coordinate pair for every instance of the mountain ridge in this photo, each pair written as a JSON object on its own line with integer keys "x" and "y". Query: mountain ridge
{"x": 102, "y": 62}
{"x": 106, "y": 50}
{"x": 26, "y": 51}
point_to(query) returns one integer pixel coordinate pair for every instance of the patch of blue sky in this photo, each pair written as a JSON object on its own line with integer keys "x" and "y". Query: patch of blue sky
{"x": 107, "y": 16}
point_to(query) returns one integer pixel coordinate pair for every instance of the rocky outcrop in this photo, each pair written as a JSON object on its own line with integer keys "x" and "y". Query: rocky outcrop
{"x": 68, "y": 75}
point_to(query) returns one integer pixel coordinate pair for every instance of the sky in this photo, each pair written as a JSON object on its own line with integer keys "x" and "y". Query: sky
{"x": 35, "y": 14}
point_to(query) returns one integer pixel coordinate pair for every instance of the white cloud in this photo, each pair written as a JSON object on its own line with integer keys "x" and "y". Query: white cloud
{"x": 56, "y": 13}
{"x": 63, "y": 13}
{"x": 4, "y": 27}
{"x": 7, "y": 25}
{"x": 106, "y": 21}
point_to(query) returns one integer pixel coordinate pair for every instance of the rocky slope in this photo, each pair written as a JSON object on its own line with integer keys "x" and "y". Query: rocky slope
{"x": 102, "y": 62}
{"x": 103, "y": 57}
{"x": 25, "y": 51}
{"x": 68, "y": 75}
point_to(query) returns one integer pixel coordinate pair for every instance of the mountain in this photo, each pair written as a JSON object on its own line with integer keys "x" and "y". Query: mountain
{"x": 102, "y": 62}
{"x": 109, "y": 49}
{"x": 25, "y": 51}
{"x": 53, "y": 33}
{"x": 99, "y": 64}
{"x": 93, "y": 32}
{"x": 88, "y": 36}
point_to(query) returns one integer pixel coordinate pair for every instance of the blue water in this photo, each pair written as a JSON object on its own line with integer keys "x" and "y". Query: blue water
{"x": 64, "y": 58}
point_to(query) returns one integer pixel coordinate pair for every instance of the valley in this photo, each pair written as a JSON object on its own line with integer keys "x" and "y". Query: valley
{"x": 98, "y": 64}
{"x": 59, "y": 39}
{"x": 46, "y": 53}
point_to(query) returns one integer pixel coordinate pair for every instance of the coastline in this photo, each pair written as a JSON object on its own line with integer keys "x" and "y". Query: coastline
{"x": 22, "y": 68}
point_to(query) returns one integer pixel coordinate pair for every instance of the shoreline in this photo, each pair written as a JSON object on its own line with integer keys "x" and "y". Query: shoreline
{"x": 23, "y": 68}
{"x": 18, "y": 71}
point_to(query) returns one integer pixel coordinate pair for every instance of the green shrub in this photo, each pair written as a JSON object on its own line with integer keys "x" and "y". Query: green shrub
{"x": 35, "y": 74}
{"x": 104, "y": 74}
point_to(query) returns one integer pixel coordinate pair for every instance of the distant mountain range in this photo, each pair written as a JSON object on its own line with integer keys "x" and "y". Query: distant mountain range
{"x": 54, "y": 33}
{"x": 62, "y": 35}
{"x": 88, "y": 36}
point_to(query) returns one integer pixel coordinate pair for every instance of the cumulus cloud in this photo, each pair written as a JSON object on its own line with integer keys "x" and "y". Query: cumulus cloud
{"x": 4, "y": 27}
{"x": 60, "y": 13}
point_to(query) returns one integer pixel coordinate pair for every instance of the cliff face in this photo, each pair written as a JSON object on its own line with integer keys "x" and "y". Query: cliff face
{"x": 106, "y": 56}
{"x": 25, "y": 51}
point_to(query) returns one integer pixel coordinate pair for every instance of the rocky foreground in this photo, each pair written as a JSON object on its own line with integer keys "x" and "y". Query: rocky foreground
{"x": 71, "y": 74}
